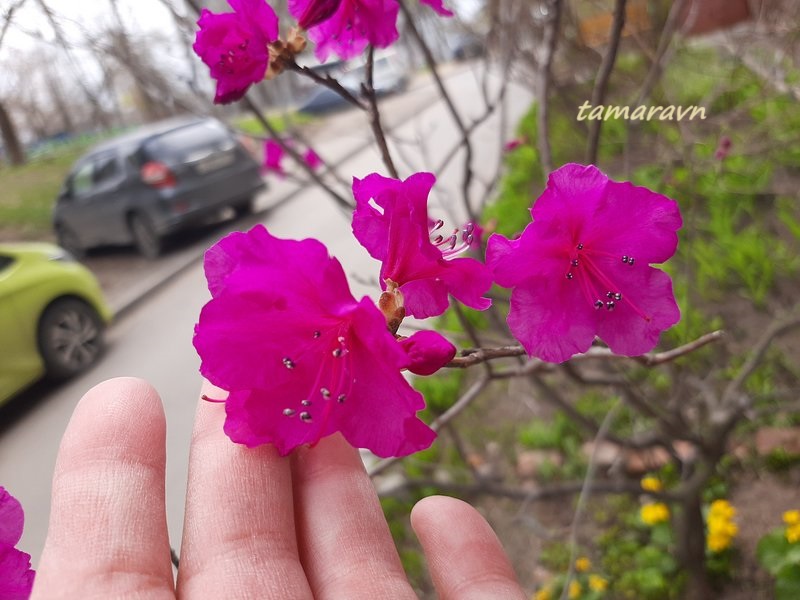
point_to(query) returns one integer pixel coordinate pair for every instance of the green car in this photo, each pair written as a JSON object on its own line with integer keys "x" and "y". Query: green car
{"x": 52, "y": 316}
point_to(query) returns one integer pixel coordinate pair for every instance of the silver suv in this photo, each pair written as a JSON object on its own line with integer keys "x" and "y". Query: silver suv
{"x": 145, "y": 185}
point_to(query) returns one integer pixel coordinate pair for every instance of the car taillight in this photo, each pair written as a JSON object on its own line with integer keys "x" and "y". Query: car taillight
{"x": 158, "y": 175}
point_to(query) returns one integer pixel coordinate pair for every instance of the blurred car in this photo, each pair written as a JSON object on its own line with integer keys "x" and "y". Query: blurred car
{"x": 322, "y": 100}
{"x": 52, "y": 316}
{"x": 147, "y": 184}
{"x": 465, "y": 46}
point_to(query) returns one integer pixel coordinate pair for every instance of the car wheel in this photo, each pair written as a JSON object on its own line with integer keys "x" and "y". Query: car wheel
{"x": 70, "y": 241}
{"x": 70, "y": 337}
{"x": 145, "y": 237}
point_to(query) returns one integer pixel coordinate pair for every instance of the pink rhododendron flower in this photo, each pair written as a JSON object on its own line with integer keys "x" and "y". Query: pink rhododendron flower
{"x": 346, "y": 27}
{"x": 427, "y": 351}
{"x": 312, "y": 12}
{"x": 299, "y": 356}
{"x": 16, "y": 575}
{"x": 234, "y": 46}
{"x": 723, "y": 148}
{"x": 512, "y": 145}
{"x": 273, "y": 158}
{"x": 391, "y": 222}
{"x": 582, "y": 268}
{"x": 312, "y": 159}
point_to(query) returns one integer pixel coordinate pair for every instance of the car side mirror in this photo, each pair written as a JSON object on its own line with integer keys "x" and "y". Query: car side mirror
{"x": 64, "y": 195}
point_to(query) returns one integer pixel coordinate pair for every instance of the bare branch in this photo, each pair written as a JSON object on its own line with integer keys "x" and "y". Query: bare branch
{"x": 603, "y": 77}
{"x": 375, "y": 115}
{"x": 545, "y": 76}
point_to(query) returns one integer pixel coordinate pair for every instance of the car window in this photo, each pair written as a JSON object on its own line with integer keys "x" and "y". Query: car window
{"x": 176, "y": 145}
{"x": 81, "y": 183}
{"x": 105, "y": 170}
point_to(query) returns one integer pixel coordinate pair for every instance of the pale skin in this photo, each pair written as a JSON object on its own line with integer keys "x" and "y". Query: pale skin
{"x": 256, "y": 525}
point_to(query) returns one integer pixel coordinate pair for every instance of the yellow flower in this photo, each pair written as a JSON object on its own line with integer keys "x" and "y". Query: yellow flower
{"x": 597, "y": 583}
{"x": 654, "y": 513}
{"x": 793, "y": 533}
{"x": 721, "y": 509}
{"x": 543, "y": 594}
{"x": 717, "y": 542}
{"x": 575, "y": 590}
{"x": 652, "y": 484}
{"x": 583, "y": 564}
{"x": 791, "y": 517}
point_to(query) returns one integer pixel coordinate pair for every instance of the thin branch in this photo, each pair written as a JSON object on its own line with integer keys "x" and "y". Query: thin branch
{"x": 313, "y": 175}
{"x": 775, "y": 330}
{"x": 545, "y": 76}
{"x": 375, "y": 115}
{"x": 328, "y": 82}
{"x": 603, "y": 77}
{"x": 473, "y": 356}
{"x": 588, "y": 480}
{"x": 431, "y": 62}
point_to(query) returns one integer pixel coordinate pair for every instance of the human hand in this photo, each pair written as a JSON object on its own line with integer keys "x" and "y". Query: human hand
{"x": 256, "y": 525}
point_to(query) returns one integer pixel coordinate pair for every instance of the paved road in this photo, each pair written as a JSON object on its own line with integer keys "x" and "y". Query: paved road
{"x": 153, "y": 339}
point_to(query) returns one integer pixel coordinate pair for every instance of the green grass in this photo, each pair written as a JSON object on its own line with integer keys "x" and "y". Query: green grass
{"x": 29, "y": 192}
{"x": 280, "y": 123}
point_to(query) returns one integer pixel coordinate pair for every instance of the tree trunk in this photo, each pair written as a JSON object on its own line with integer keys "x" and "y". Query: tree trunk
{"x": 690, "y": 531}
{"x": 13, "y": 148}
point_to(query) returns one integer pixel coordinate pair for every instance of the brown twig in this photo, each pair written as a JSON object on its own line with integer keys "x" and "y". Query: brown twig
{"x": 448, "y": 101}
{"x": 328, "y": 82}
{"x": 545, "y": 77}
{"x": 375, "y": 115}
{"x": 603, "y": 77}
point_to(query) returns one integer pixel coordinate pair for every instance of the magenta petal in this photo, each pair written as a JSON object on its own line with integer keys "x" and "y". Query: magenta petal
{"x": 285, "y": 337}
{"x": 273, "y": 158}
{"x": 552, "y": 322}
{"x": 581, "y": 268}
{"x": 391, "y": 221}
{"x": 16, "y": 575}
{"x": 234, "y": 46}
{"x": 355, "y": 24}
{"x": 312, "y": 12}
{"x": 635, "y": 325}
{"x": 438, "y": 6}
{"x": 427, "y": 352}
{"x": 11, "y": 518}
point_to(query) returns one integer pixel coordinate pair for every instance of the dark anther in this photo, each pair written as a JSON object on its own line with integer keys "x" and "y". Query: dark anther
{"x": 617, "y": 296}
{"x": 580, "y": 246}
{"x": 341, "y": 398}
{"x": 630, "y": 261}
{"x": 337, "y": 352}
{"x": 317, "y": 334}
{"x": 624, "y": 258}
{"x": 574, "y": 262}
{"x": 610, "y": 305}
{"x": 305, "y": 402}
{"x": 288, "y": 412}
{"x": 326, "y": 393}
{"x": 288, "y": 362}
{"x": 304, "y": 416}
{"x": 598, "y": 304}
{"x": 609, "y": 294}
{"x": 570, "y": 275}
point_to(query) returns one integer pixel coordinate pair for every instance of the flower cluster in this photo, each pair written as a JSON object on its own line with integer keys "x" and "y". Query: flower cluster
{"x": 791, "y": 519}
{"x": 301, "y": 358}
{"x": 16, "y": 575}
{"x": 654, "y": 513}
{"x": 595, "y": 583}
{"x": 721, "y": 527}
{"x": 243, "y": 47}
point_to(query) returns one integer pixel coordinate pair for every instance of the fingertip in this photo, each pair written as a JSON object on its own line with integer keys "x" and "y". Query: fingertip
{"x": 465, "y": 558}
